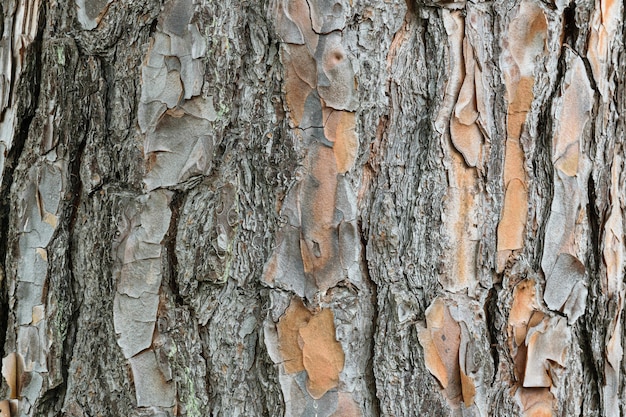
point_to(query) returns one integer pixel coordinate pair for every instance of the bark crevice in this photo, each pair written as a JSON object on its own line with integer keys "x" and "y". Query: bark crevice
{"x": 491, "y": 306}
{"x": 170, "y": 244}
{"x": 371, "y": 376}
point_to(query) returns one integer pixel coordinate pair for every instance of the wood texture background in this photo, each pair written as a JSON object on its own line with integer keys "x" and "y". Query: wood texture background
{"x": 312, "y": 208}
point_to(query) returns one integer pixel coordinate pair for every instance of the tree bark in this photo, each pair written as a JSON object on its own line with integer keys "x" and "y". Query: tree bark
{"x": 312, "y": 208}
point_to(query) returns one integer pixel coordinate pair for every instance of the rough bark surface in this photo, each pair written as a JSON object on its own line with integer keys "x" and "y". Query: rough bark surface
{"x": 312, "y": 208}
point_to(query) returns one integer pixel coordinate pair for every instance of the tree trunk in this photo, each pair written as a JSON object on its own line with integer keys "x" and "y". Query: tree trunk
{"x": 312, "y": 208}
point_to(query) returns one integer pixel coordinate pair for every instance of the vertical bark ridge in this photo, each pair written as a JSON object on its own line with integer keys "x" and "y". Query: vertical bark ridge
{"x": 20, "y": 98}
{"x": 322, "y": 345}
{"x": 62, "y": 289}
{"x": 41, "y": 286}
{"x": 405, "y": 201}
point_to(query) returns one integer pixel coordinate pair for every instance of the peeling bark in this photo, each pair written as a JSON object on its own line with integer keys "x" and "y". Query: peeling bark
{"x": 312, "y": 208}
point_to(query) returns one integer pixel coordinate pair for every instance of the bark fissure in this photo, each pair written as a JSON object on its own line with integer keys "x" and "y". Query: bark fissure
{"x": 588, "y": 359}
{"x": 178, "y": 200}
{"x": 543, "y": 168}
{"x": 491, "y": 309}
{"x": 371, "y": 376}
{"x": 570, "y": 29}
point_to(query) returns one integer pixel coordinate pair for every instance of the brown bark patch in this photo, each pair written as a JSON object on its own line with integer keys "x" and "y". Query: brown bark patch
{"x": 296, "y": 316}
{"x": 300, "y": 78}
{"x": 513, "y": 221}
{"x": 521, "y": 98}
{"x": 299, "y": 13}
{"x": 467, "y": 139}
{"x": 468, "y": 389}
{"x": 5, "y": 409}
{"x": 307, "y": 342}
{"x": 441, "y": 340}
{"x": 339, "y": 127}
{"x": 323, "y": 357}
{"x": 524, "y": 304}
{"x": 320, "y": 243}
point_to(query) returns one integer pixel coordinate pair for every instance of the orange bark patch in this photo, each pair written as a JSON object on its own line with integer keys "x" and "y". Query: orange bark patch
{"x": 462, "y": 231}
{"x": 521, "y": 98}
{"x": 433, "y": 361}
{"x": 513, "y": 221}
{"x": 514, "y": 162}
{"x": 298, "y": 12}
{"x": 524, "y": 304}
{"x": 339, "y": 128}
{"x": 535, "y": 318}
{"x": 440, "y": 341}
{"x": 323, "y": 357}
{"x": 296, "y": 92}
{"x": 289, "y": 325}
{"x": 526, "y": 41}
{"x": 319, "y": 247}
{"x": 519, "y": 362}
{"x": 5, "y": 409}
{"x": 468, "y": 388}
{"x": 467, "y": 139}
{"x": 300, "y": 78}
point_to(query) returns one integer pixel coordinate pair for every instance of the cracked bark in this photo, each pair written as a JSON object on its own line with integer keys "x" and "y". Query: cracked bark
{"x": 312, "y": 207}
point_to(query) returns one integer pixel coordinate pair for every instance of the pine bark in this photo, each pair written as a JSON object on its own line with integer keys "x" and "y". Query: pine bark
{"x": 312, "y": 208}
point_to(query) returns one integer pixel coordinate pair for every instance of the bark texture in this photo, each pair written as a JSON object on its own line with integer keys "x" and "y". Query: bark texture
{"x": 312, "y": 208}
